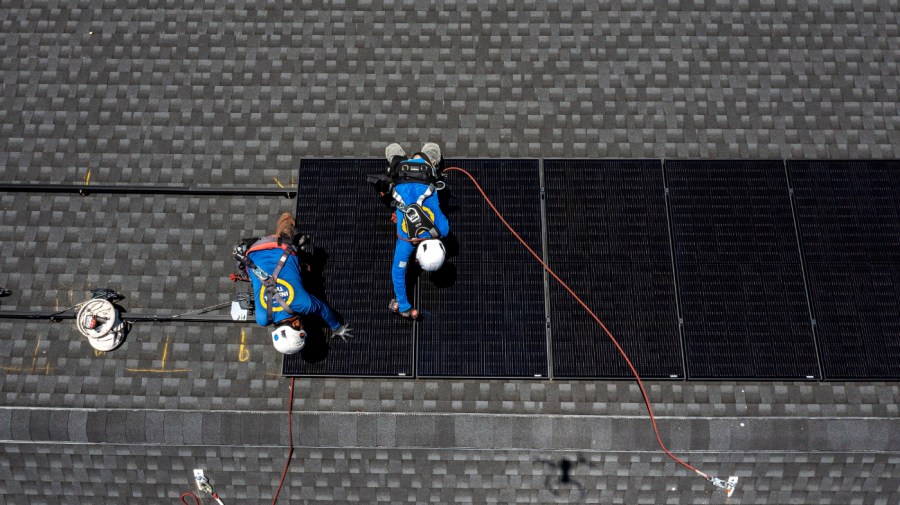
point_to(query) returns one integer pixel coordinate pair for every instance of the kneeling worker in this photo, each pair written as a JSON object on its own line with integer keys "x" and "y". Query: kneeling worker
{"x": 273, "y": 268}
{"x": 420, "y": 222}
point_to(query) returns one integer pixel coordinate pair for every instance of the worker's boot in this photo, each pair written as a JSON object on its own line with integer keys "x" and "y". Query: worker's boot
{"x": 394, "y": 150}
{"x": 433, "y": 151}
{"x": 411, "y": 314}
{"x": 285, "y": 225}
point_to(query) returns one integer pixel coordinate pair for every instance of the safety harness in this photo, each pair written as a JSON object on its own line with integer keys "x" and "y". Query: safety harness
{"x": 417, "y": 220}
{"x": 270, "y": 282}
{"x": 412, "y": 170}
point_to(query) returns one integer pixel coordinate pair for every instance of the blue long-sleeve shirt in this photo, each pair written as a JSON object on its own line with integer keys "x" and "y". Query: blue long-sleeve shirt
{"x": 291, "y": 288}
{"x": 410, "y": 192}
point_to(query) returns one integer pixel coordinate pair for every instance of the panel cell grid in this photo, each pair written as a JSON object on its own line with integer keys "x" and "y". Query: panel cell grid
{"x": 488, "y": 319}
{"x": 608, "y": 239}
{"x": 849, "y": 220}
{"x": 857, "y": 307}
{"x": 740, "y": 278}
{"x": 848, "y": 211}
{"x": 347, "y": 222}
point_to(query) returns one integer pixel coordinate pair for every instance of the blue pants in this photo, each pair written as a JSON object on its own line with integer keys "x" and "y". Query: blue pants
{"x": 410, "y": 192}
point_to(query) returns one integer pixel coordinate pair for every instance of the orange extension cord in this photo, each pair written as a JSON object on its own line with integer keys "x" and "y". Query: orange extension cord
{"x": 594, "y": 316}
{"x": 286, "y": 463}
{"x": 290, "y": 447}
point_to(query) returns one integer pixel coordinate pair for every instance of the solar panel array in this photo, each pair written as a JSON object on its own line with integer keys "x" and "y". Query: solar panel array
{"x": 697, "y": 268}
{"x": 849, "y": 221}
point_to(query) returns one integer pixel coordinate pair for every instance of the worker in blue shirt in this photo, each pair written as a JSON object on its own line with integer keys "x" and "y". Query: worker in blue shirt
{"x": 414, "y": 182}
{"x": 273, "y": 269}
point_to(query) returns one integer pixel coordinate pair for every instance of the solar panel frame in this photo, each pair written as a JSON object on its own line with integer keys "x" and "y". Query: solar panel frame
{"x": 848, "y": 214}
{"x": 608, "y": 238}
{"x": 491, "y": 321}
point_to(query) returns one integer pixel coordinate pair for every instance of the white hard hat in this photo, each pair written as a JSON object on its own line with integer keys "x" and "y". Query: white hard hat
{"x": 288, "y": 340}
{"x": 430, "y": 255}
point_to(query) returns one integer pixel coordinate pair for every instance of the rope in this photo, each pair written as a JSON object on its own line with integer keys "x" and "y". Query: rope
{"x": 52, "y": 317}
{"x": 594, "y": 316}
{"x": 201, "y": 311}
{"x": 290, "y": 447}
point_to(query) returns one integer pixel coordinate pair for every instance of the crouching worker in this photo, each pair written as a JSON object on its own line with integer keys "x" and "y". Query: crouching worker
{"x": 412, "y": 182}
{"x": 273, "y": 268}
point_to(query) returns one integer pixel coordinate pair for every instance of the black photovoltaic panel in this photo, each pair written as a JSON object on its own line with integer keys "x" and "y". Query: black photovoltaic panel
{"x": 608, "y": 239}
{"x": 849, "y": 220}
{"x": 514, "y": 187}
{"x": 746, "y": 320}
{"x": 848, "y": 211}
{"x": 343, "y": 216}
{"x": 857, "y": 308}
{"x": 490, "y": 322}
{"x": 740, "y": 278}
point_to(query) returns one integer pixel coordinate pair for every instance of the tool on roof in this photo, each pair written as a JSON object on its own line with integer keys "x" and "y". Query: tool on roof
{"x": 728, "y": 485}
{"x": 242, "y": 307}
{"x": 204, "y": 486}
{"x": 100, "y": 320}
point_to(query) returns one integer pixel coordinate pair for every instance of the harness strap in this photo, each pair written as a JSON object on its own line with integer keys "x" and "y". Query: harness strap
{"x": 271, "y": 295}
{"x": 399, "y": 199}
{"x": 270, "y": 242}
{"x": 417, "y": 220}
{"x": 426, "y": 194}
{"x": 271, "y": 289}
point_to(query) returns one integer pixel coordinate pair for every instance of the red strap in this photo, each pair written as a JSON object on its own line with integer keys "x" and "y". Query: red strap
{"x": 270, "y": 242}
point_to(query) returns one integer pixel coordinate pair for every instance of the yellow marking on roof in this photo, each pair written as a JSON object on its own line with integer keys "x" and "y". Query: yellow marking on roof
{"x": 165, "y": 352}
{"x": 243, "y": 352}
{"x": 34, "y": 357}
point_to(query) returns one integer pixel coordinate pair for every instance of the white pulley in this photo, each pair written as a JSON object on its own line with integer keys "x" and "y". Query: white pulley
{"x": 100, "y": 321}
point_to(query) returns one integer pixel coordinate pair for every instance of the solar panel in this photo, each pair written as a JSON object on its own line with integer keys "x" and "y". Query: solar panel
{"x": 344, "y": 218}
{"x": 489, "y": 321}
{"x": 849, "y": 220}
{"x": 608, "y": 239}
{"x": 739, "y": 273}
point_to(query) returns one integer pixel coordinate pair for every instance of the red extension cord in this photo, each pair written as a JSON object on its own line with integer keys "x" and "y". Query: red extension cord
{"x": 286, "y": 463}
{"x": 594, "y": 316}
{"x": 291, "y": 447}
